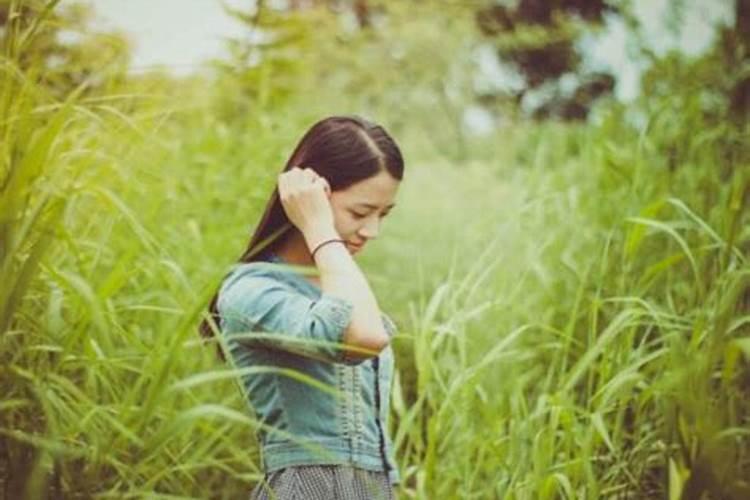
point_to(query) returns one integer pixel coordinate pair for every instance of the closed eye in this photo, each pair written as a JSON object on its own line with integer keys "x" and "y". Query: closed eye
{"x": 357, "y": 215}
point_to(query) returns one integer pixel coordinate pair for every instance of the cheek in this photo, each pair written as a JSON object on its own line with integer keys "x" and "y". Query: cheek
{"x": 345, "y": 225}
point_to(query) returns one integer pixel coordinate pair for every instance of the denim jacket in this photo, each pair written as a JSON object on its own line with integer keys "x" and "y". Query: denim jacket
{"x": 314, "y": 404}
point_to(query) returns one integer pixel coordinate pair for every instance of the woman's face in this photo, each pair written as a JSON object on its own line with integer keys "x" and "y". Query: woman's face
{"x": 359, "y": 210}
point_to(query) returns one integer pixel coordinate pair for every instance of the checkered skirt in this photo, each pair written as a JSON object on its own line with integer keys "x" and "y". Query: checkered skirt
{"x": 324, "y": 482}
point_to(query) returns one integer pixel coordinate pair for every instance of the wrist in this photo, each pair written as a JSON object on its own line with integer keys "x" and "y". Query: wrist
{"x": 314, "y": 236}
{"x": 324, "y": 245}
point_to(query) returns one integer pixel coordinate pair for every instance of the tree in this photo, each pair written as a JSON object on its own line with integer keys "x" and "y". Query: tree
{"x": 55, "y": 43}
{"x": 538, "y": 38}
{"x": 736, "y": 49}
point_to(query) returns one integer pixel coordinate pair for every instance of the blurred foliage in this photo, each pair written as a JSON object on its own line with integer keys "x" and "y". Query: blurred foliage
{"x": 409, "y": 56}
{"x": 53, "y": 41}
{"x": 538, "y": 38}
{"x": 735, "y": 52}
{"x": 573, "y": 298}
{"x": 709, "y": 94}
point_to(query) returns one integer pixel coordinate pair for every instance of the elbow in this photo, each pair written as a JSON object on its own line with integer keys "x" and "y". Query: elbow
{"x": 378, "y": 343}
{"x": 367, "y": 344}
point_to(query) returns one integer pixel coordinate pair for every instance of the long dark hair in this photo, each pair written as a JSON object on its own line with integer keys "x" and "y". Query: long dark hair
{"x": 342, "y": 149}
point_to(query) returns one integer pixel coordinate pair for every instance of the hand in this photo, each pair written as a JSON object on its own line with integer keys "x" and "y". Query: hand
{"x": 305, "y": 197}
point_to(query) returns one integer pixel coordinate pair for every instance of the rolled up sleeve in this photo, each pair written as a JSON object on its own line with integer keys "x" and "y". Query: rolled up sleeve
{"x": 390, "y": 327}
{"x": 262, "y": 310}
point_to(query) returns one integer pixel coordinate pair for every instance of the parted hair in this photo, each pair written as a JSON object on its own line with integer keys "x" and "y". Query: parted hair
{"x": 343, "y": 150}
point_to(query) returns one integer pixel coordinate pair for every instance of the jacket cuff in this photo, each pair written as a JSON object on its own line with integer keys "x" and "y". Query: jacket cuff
{"x": 336, "y": 313}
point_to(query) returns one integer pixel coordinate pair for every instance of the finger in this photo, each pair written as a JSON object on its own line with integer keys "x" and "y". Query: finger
{"x": 296, "y": 178}
{"x": 293, "y": 173}
{"x": 311, "y": 174}
{"x": 305, "y": 177}
{"x": 283, "y": 185}
{"x": 326, "y": 185}
{"x": 318, "y": 182}
{"x": 323, "y": 184}
{"x": 314, "y": 175}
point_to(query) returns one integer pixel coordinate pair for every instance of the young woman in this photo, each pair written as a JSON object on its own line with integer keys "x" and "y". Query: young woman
{"x": 314, "y": 348}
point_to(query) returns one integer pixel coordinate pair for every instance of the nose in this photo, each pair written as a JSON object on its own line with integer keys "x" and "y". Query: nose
{"x": 371, "y": 228}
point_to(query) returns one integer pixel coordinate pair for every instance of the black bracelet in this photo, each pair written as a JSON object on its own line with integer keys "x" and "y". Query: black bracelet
{"x": 324, "y": 243}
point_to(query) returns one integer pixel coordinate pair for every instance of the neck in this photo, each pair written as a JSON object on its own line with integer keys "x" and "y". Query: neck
{"x": 294, "y": 251}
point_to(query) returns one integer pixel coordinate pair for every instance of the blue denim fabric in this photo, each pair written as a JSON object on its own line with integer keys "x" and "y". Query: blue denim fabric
{"x": 315, "y": 405}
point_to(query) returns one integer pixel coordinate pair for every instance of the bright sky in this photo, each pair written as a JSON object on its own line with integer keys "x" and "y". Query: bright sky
{"x": 182, "y": 34}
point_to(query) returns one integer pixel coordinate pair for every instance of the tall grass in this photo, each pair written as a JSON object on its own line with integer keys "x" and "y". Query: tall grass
{"x": 573, "y": 310}
{"x": 596, "y": 345}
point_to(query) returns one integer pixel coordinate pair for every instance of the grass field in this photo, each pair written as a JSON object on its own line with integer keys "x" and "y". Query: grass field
{"x": 573, "y": 302}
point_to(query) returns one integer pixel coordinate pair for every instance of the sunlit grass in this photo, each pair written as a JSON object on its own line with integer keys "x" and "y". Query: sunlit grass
{"x": 573, "y": 313}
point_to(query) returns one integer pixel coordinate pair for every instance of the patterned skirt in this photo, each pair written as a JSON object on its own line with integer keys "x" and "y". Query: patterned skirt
{"x": 324, "y": 482}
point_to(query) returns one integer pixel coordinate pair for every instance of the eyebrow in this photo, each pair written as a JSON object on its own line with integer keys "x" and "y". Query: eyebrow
{"x": 369, "y": 205}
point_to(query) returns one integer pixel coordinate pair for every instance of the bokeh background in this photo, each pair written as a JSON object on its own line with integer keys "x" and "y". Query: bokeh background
{"x": 567, "y": 262}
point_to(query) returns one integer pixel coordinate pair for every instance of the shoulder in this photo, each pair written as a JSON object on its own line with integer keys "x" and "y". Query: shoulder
{"x": 246, "y": 270}
{"x": 250, "y": 279}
